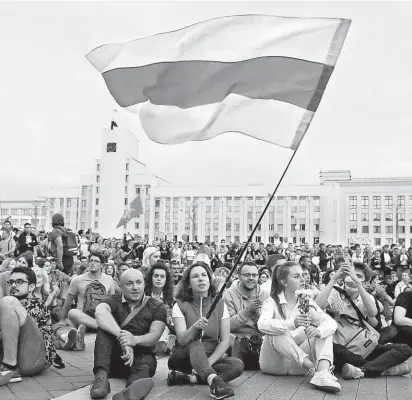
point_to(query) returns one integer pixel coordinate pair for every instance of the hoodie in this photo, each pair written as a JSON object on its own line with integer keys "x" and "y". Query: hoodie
{"x": 242, "y": 325}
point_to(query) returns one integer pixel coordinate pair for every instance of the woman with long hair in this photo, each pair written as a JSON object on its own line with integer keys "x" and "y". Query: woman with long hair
{"x": 7, "y": 265}
{"x": 159, "y": 285}
{"x": 204, "y": 356}
{"x": 151, "y": 256}
{"x": 299, "y": 335}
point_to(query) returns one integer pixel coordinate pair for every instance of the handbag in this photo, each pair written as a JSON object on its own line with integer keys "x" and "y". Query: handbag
{"x": 355, "y": 334}
{"x": 134, "y": 312}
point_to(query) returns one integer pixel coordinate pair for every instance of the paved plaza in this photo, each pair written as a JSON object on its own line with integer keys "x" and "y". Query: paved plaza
{"x": 73, "y": 383}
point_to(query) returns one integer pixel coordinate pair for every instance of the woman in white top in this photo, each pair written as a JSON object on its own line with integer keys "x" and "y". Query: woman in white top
{"x": 296, "y": 341}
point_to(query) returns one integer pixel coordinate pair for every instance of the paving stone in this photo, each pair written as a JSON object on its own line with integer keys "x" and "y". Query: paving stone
{"x": 59, "y": 393}
{"x": 58, "y": 385}
{"x": 6, "y": 394}
{"x": 282, "y": 387}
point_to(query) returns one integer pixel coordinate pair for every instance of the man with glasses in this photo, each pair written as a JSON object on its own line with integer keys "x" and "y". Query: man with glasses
{"x": 244, "y": 300}
{"x": 77, "y": 291}
{"x": 130, "y": 325}
{"x": 26, "y": 345}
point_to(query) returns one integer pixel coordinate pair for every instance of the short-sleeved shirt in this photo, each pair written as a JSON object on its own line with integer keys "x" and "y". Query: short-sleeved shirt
{"x": 337, "y": 303}
{"x": 404, "y": 300}
{"x": 152, "y": 311}
{"x": 79, "y": 284}
{"x": 177, "y": 312}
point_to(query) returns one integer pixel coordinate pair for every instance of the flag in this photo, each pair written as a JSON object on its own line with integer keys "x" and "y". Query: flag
{"x": 134, "y": 210}
{"x": 260, "y": 75}
{"x": 203, "y": 254}
{"x": 113, "y": 125}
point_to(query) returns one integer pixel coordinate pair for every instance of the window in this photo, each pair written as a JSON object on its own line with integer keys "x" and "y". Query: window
{"x": 97, "y": 202}
{"x": 237, "y": 227}
{"x": 353, "y": 217}
{"x": 376, "y": 216}
{"x": 208, "y": 209}
{"x": 207, "y": 227}
{"x": 315, "y": 240}
{"x": 388, "y": 201}
{"x": 280, "y": 228}
{"x": 365, "y": 217}
{"x": 61, "y": 203}
{"x": 228, "y": 226}
{"x": 157, "y": 203}
{"x": 353, "y": 202}
{"x": 126, "y": 201}
{"x": 365, "y": 202}
{"x": 389, "y": 229}
{"x": 125, "y": 190}
{"x": 250, "y": 227}
{"x": 98, "y": 167}
{"x": 316, "y": 227}
{"x": 389, "y": 241}
{"x": 137, "y": 190}
{"x": 302, "y": 227}
{"x": 272, "y": 227}
{"x": 401, "y": 201}
{"x": 97, "y": 190}
{"x": 365, "y": 229}
{"x": 353, "y": 229}
{"x": 376, "y": 229}
{"x": 126, "y": 178}
{"x": 167, "y": 228}
{"x": 215, "y": 226}
{"x": 401, "y": 216}
{"x": 175, "y": 226}
{"x": 96, "y": 224}
{"x": 410, "y": 229}
{"x": 157, "y": 215}
{"x": 258, "y": 239}
{"x": 148, "y": 190}
{"x": 388, "y": 217}
{"x": 293, "y": 227}
{"x": 294, "y": 209}
{"x": 376, "y": 202}
{"x": 127, "y": 166}
{"x": 377, "y": 241}
{"x": 96, "y": 213}
{"x": 279, "y": 210}
{"x": 84, "y": 190}
{"x": 136, "y": 225}
{"x": 316, "y": 215}
{"x": 83, "y": 225}
{"x": 316, "y": 202}
{"x": 156, "y": 226}
{"x": 97, "y": 178}
{"x": 83, "y": 203}
{"x": 83, "y": 214}
{"x": 401, "y": 229}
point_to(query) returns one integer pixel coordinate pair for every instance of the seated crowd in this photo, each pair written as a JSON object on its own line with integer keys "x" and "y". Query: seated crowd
{"x": 286, "y": 310}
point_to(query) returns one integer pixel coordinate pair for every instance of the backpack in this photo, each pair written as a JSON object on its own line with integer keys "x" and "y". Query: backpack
{"x": 94, "y": 294}
{"x": 70, "y": 246}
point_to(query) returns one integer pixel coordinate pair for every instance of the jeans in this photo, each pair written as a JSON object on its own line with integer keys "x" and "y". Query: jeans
{"x": 194, "y": 357}
{"x": 382, "y": 357}
{"x": 281, "y": 355}
{"x": 404, "y": 335}
{"x": 107, "y": 355}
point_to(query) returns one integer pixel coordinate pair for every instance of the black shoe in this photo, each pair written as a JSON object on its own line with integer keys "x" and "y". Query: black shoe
{"x": 177, "y": 378}
{"x": 219, "y": 389}
{"x": 100, "y": 388}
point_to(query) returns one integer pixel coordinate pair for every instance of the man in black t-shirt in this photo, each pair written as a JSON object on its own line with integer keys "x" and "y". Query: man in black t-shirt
{"x": 127, "y": 352}
{"x": 402, "y": 317}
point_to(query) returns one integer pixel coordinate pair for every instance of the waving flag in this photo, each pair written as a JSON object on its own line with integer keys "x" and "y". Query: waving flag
{"x": 134, "y": 210}
{"x": 260, "y": 75}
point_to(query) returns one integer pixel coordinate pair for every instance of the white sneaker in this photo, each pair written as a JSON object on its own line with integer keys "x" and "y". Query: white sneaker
{"x": 313, "y": 372}
{"x": 325, "y": 381}
{"x": 398, "y": 370}
{"x": 351, "y": 372}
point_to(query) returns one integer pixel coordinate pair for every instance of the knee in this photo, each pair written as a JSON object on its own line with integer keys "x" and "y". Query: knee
{"x": 238, "y": 366}
{"x": 406, "y": 350}
{"x": 9, "y": 302}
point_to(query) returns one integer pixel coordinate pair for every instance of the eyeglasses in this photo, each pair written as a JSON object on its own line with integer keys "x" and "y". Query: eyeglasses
{"x": 18, "y": 282}
{"x": 250, "y": 275}
{"x": 95, "y": 261}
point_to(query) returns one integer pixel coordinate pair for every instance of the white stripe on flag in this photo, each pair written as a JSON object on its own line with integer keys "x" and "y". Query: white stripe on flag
{"x": 229, "y": 39}
{"x": 268, "y": 120}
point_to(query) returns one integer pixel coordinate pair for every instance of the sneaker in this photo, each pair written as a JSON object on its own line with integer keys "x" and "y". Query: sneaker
{"x": 70, "y": 340}
{"x": 351, "y": 372}
{"x": 398, "y": 370}
{"x": 138, "y": 390}
{"x": 100, "y": 388}
{"x": 219, "y": 389}
{"x": 312, "y": 371}
{"x": 177, "y": 378}
{"x": 5, "y": 375}
{"x": 323, "y": 380}
{"x": 80, "y": 345}
{"x": 16, "y": 377}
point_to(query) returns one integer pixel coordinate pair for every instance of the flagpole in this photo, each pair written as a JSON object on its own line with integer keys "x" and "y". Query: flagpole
{"x": 249, "y": 241}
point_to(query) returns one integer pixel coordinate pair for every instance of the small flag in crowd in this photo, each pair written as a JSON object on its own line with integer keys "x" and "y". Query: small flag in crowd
{"x": 260, "y": 75}
{"x": 134, "y": 210}
{"x": 113, "y": 125}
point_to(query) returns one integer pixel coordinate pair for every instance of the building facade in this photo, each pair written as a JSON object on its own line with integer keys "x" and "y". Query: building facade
{"x": 339, "y": 210}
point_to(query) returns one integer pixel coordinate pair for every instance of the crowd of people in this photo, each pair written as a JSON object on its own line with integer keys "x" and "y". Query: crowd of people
{"x": 285, "y": 310}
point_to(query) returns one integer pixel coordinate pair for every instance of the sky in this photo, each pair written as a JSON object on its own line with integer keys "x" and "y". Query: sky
{"x": 54, "y": 104}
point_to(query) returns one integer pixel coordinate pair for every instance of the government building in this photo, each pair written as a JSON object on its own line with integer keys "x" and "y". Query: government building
{"x": 339, "y": 210}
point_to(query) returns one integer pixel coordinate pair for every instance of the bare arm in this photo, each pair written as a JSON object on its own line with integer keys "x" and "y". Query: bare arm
{"x": 67, "y": 306}
{"x": 105, "y": 320}
{"x": 399, "y": 317}
{"x": 184, "y": 335}
{"x": 59, "y": 250}
{"x": 151, "y": 338}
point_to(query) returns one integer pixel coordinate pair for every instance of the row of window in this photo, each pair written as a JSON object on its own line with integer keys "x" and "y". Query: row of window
{"x": 378, "y": 229}
{"x": 377, "y": 217}
{"x": 400, "y": 201}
